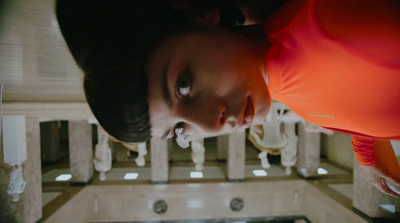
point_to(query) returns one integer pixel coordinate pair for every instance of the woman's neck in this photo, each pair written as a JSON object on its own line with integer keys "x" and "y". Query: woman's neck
{"x": 256, "y": 40}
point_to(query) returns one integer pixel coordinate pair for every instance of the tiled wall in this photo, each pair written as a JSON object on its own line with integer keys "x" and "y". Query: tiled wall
{"x": 339, "y": 150}
{"x": 35, "y": 62}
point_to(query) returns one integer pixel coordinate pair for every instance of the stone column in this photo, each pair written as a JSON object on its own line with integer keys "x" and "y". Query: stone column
{"x": 20, "y": 171}
{"x": 159, "y": 160}
{"x": 80, "y": 151}
{"x": 222, "y": 147}
{"x": 32, "y": 197}
{"x": 236, "y": 156}
{"x": 309, "y": 152}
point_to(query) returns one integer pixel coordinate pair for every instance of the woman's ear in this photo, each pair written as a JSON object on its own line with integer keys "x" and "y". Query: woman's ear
{"x": 209, "y": 17}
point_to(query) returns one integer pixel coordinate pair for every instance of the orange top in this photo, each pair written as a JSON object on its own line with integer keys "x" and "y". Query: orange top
{"x": 336, "y": 63}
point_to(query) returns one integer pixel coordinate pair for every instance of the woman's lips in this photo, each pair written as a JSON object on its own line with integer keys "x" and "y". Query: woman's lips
{"x": 249, "y": 112}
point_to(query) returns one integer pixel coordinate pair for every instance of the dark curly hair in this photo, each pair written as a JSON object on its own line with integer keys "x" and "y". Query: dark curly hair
{"x": 110, "y": 41}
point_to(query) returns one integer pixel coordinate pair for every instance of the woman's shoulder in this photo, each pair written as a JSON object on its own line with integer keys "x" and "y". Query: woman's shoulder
{"x": 368, "y": 26}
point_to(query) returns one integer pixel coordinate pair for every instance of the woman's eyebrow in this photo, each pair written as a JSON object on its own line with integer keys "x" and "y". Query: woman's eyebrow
{"x": 164, "y": 85}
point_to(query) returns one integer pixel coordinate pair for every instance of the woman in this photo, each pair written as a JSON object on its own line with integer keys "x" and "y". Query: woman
{"x": 155, "y": 69}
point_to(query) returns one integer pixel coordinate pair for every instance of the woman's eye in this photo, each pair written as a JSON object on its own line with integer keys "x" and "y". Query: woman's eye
{"x": 179, "y": 129}
{"x": 183, "y": 84}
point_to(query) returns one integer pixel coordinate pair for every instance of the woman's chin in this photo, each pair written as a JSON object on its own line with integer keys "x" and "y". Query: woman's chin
{"x": 258, "y": 120}
{"x": 261, "y": 114}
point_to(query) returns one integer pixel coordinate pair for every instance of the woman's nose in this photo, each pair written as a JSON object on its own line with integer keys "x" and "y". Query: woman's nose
{"x": 209, "y": 117}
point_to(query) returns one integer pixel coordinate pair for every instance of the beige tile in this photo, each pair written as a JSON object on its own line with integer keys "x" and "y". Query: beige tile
{"x": 79, "y": 208}
{"x": 319, "y": 207}
{"x": 196, "y": 201}
{"x": 47, "y": 197}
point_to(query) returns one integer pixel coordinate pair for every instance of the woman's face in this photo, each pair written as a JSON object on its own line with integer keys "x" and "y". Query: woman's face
{"x": 205, "y": 84}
